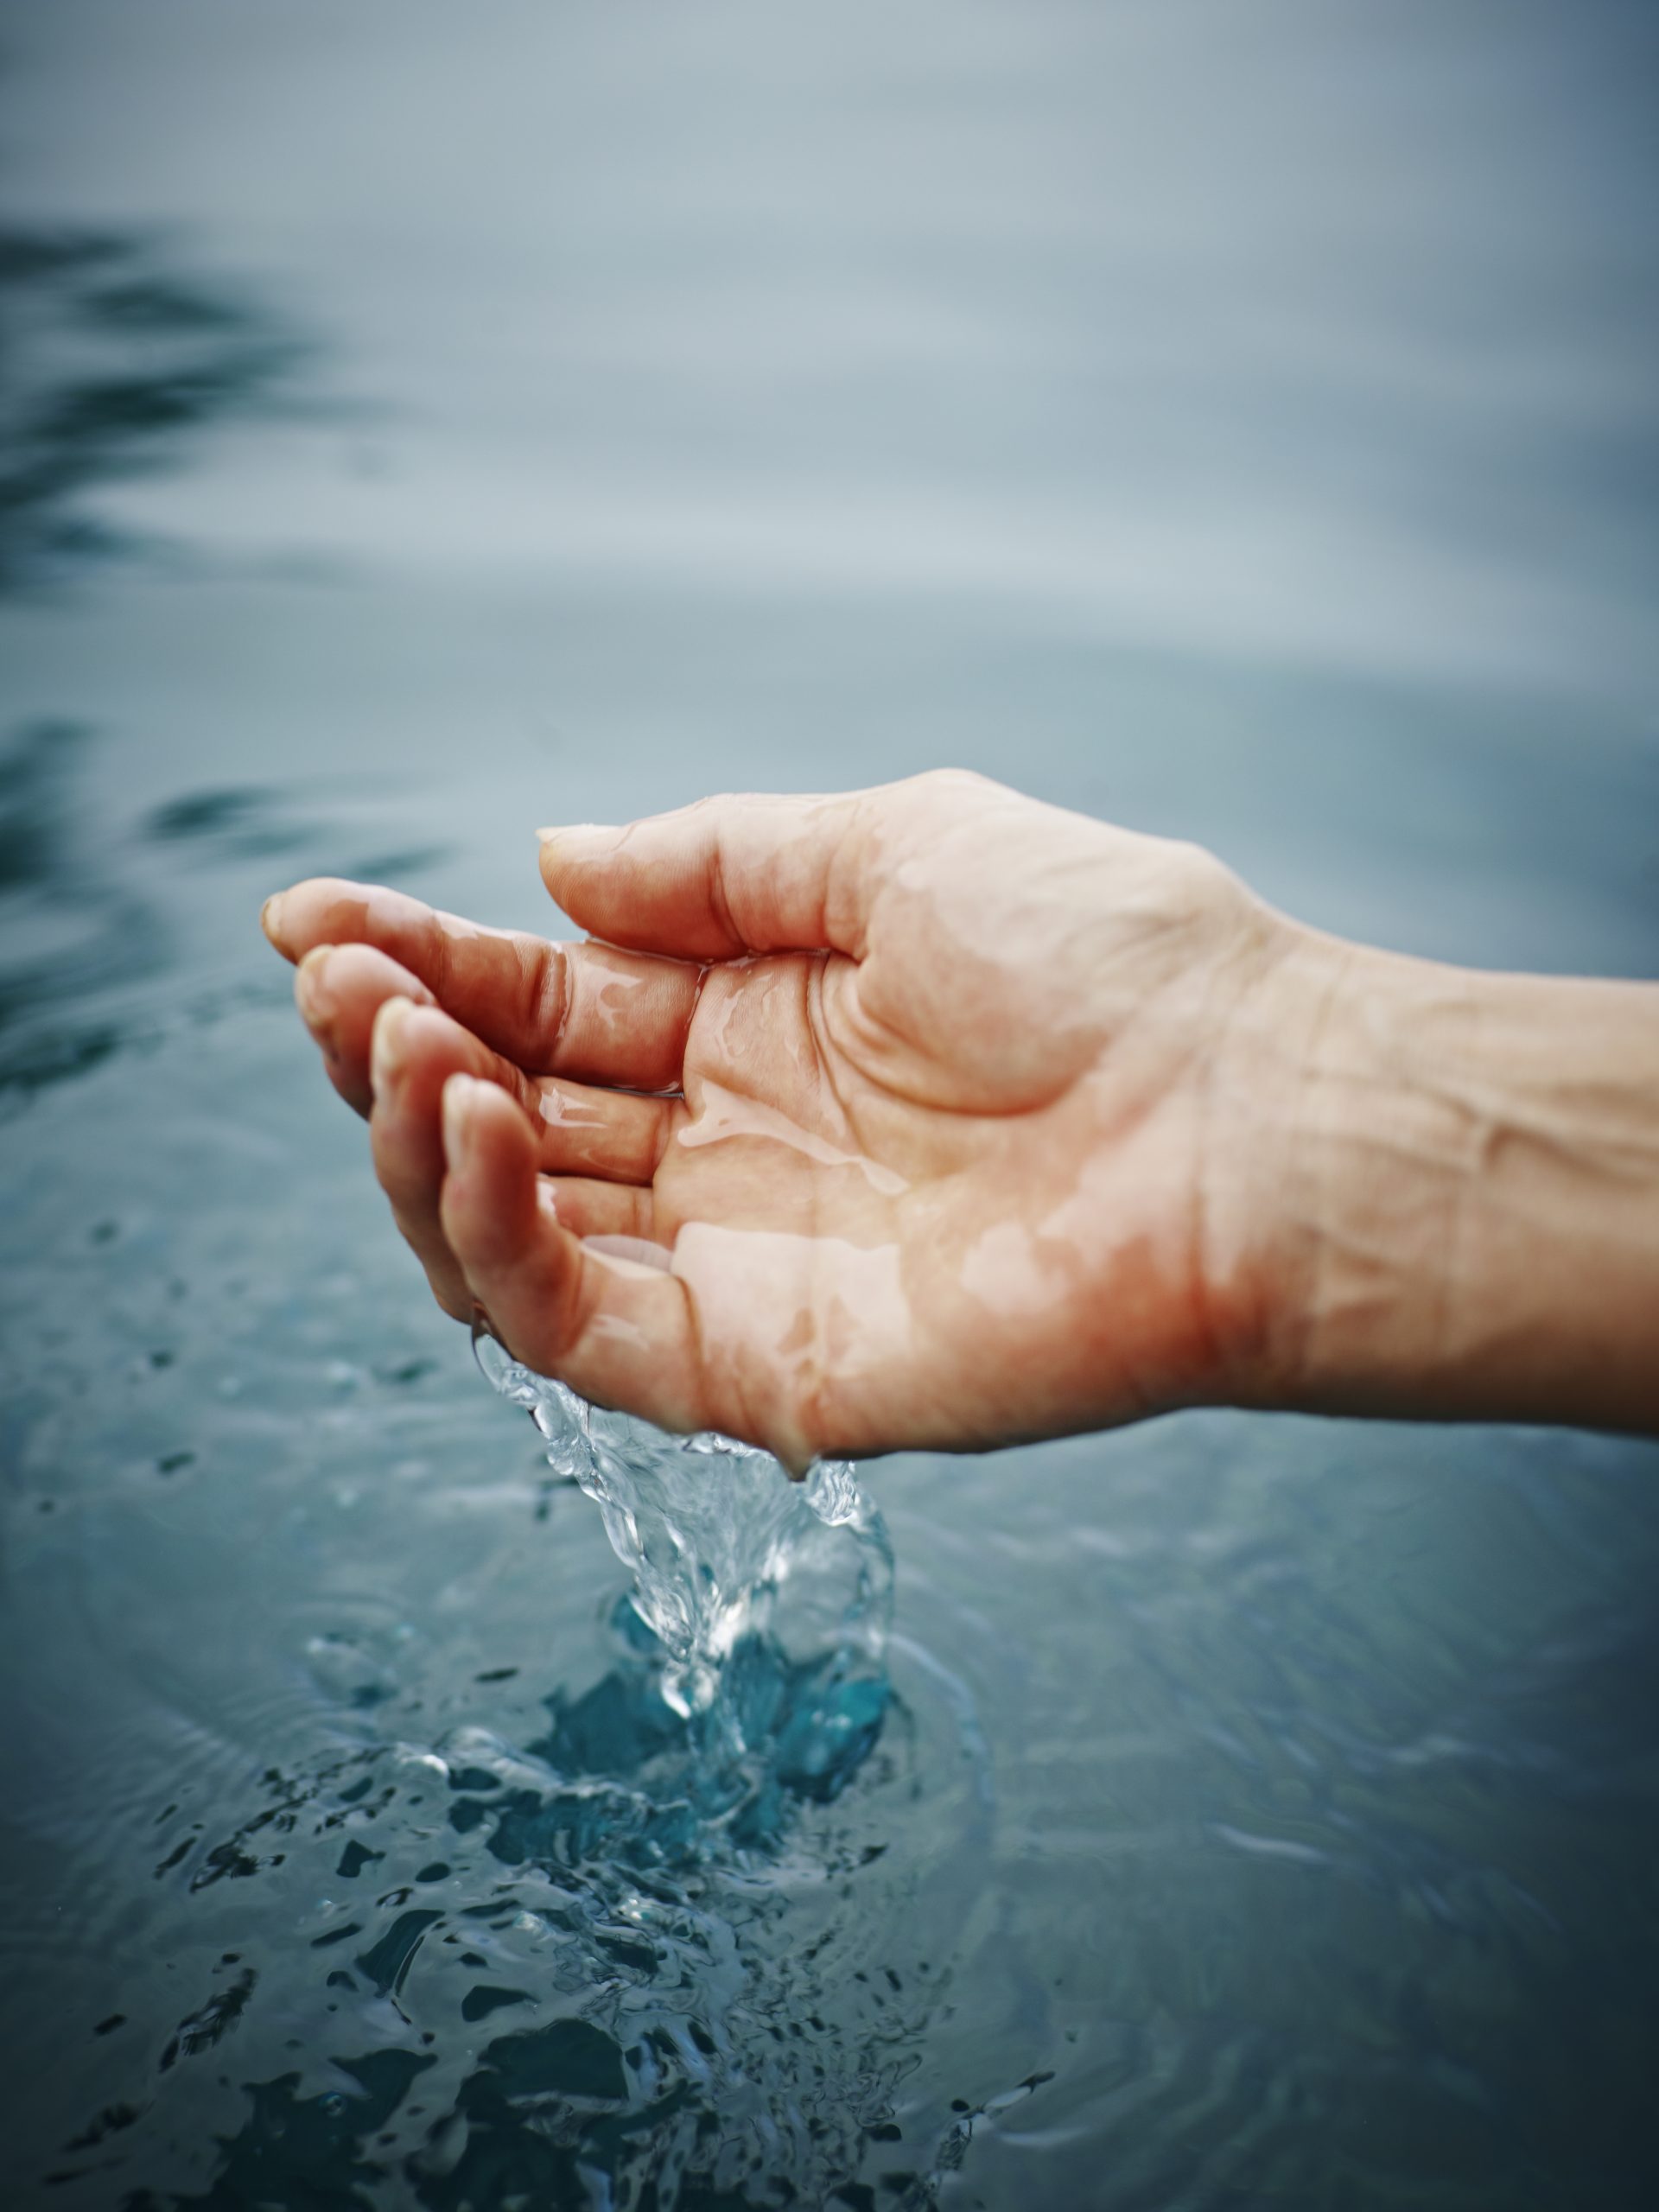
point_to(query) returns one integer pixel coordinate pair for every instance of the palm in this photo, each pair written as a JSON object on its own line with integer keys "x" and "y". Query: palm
{"x": 893, "y": 1177}
{"x": 881, "y": 1230}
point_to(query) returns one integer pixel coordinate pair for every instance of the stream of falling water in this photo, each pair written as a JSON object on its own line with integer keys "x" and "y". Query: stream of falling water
{"x": 761, "y": 1604}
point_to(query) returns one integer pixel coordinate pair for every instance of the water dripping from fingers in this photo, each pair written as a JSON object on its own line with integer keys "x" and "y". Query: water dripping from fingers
{"x": 762, "y": 1605}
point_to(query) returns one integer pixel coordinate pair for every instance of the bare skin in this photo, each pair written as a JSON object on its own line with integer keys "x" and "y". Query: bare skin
{"x": 933, "y": 1116}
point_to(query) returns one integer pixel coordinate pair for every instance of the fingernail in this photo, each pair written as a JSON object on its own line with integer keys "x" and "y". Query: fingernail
{"x": 316, "y": 1003}
{"x": 576, "y": 834}
{"x": 459, "y": 1095}
{"x": 271, "y": 919}
{"x": 387, "y": 1044}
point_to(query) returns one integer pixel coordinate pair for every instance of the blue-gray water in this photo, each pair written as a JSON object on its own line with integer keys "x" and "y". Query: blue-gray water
{"x": 422, "y": 423}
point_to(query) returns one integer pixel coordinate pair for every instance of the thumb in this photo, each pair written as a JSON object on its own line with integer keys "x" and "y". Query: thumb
{"x": 724, "y": 877}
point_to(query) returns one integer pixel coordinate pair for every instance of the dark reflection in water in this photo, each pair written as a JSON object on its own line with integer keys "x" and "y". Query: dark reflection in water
{"x": 113, "y": 361}
{"x": 85, "y": 930}
{"x": 116, "y": 362}
{"x": 70, "y": 930}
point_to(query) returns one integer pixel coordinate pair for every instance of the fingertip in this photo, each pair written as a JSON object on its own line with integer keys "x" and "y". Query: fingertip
{"x": 388, "y": 1043}
{"x": 318, "y": 909}
{"x": 488, "y": 1203}
{"x": 460, "y": 1117}
{"x": 565, "y": 847}
{"x": 479, "y": 1111}
{"x": 270, "y": 921}
{"x": 312, "y": 993}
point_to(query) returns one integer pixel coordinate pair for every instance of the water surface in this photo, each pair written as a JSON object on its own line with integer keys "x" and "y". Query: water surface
{"x": 1237, "y": 422}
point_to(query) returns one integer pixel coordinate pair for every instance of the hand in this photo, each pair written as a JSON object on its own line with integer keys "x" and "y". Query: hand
{"x": 923, "y": 1108}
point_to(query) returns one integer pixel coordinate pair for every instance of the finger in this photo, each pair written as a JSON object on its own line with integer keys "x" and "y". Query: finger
{"x": 584, "y": 1010}
{"x": 615, "y": 1133}
{"x": 339, "y": 990}
{"x": 618, "y": 1332}
{"x": 406, "y": 1142}
{"x": 587, "y": 1208}
{"x": 725, "y": 877}
{"x": 580, "y": 1130}
{"x": 413, "y": 1051}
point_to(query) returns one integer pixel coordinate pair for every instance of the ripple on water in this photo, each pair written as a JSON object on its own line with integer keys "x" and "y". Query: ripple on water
{"x": 677, "y": 1937}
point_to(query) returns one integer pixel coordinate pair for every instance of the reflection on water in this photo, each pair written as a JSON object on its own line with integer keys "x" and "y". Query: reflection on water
{"x": 70, "y": 930}
{"x": 93, "y": 938}
{"x": 115, "y": 362}
{"x": 82, "y": 930}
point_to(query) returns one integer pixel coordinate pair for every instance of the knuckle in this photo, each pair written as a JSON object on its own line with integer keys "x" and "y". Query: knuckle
{"x": 1201, "y": 876}
{"x": 546, "y": 990}
{"x": 949, "y": 782}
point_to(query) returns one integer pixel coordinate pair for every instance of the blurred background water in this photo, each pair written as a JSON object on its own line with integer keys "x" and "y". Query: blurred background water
{"x": 419, "y": 424}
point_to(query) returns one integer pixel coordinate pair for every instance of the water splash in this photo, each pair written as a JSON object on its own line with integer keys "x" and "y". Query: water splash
{"x": 689, "y": 1965}
{"x": 730, "y": 1557}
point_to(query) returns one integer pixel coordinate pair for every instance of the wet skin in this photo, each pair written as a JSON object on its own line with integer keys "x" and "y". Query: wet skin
{"x": 945, "y": 1065}
{"x": 934, "y": 1116}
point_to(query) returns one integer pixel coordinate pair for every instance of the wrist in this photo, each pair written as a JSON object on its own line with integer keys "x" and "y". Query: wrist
{"x": 1381, "y": 1172}
{"x": 1271, "y": 1187}
{"x": 1463, "y": 1219}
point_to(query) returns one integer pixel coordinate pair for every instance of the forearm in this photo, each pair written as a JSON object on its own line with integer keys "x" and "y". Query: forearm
{"x": 1472, "y": 1224}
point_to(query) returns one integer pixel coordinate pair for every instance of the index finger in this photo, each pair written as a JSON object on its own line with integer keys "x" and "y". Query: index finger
{"x": 586, "y": 1010}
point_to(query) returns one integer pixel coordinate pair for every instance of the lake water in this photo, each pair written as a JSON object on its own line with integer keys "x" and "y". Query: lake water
{"x": 421, "y": 424}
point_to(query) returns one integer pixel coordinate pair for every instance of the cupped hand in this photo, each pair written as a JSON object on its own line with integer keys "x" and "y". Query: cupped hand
{"x": 926, "y": 1116}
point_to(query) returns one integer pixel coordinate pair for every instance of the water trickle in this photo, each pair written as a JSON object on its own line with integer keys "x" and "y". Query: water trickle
{"x": 730, "y": 1559}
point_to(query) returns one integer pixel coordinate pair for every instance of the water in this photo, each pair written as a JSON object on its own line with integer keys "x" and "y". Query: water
{"x": 1238, "y": 423}
{"x": 713, "y": 1530}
